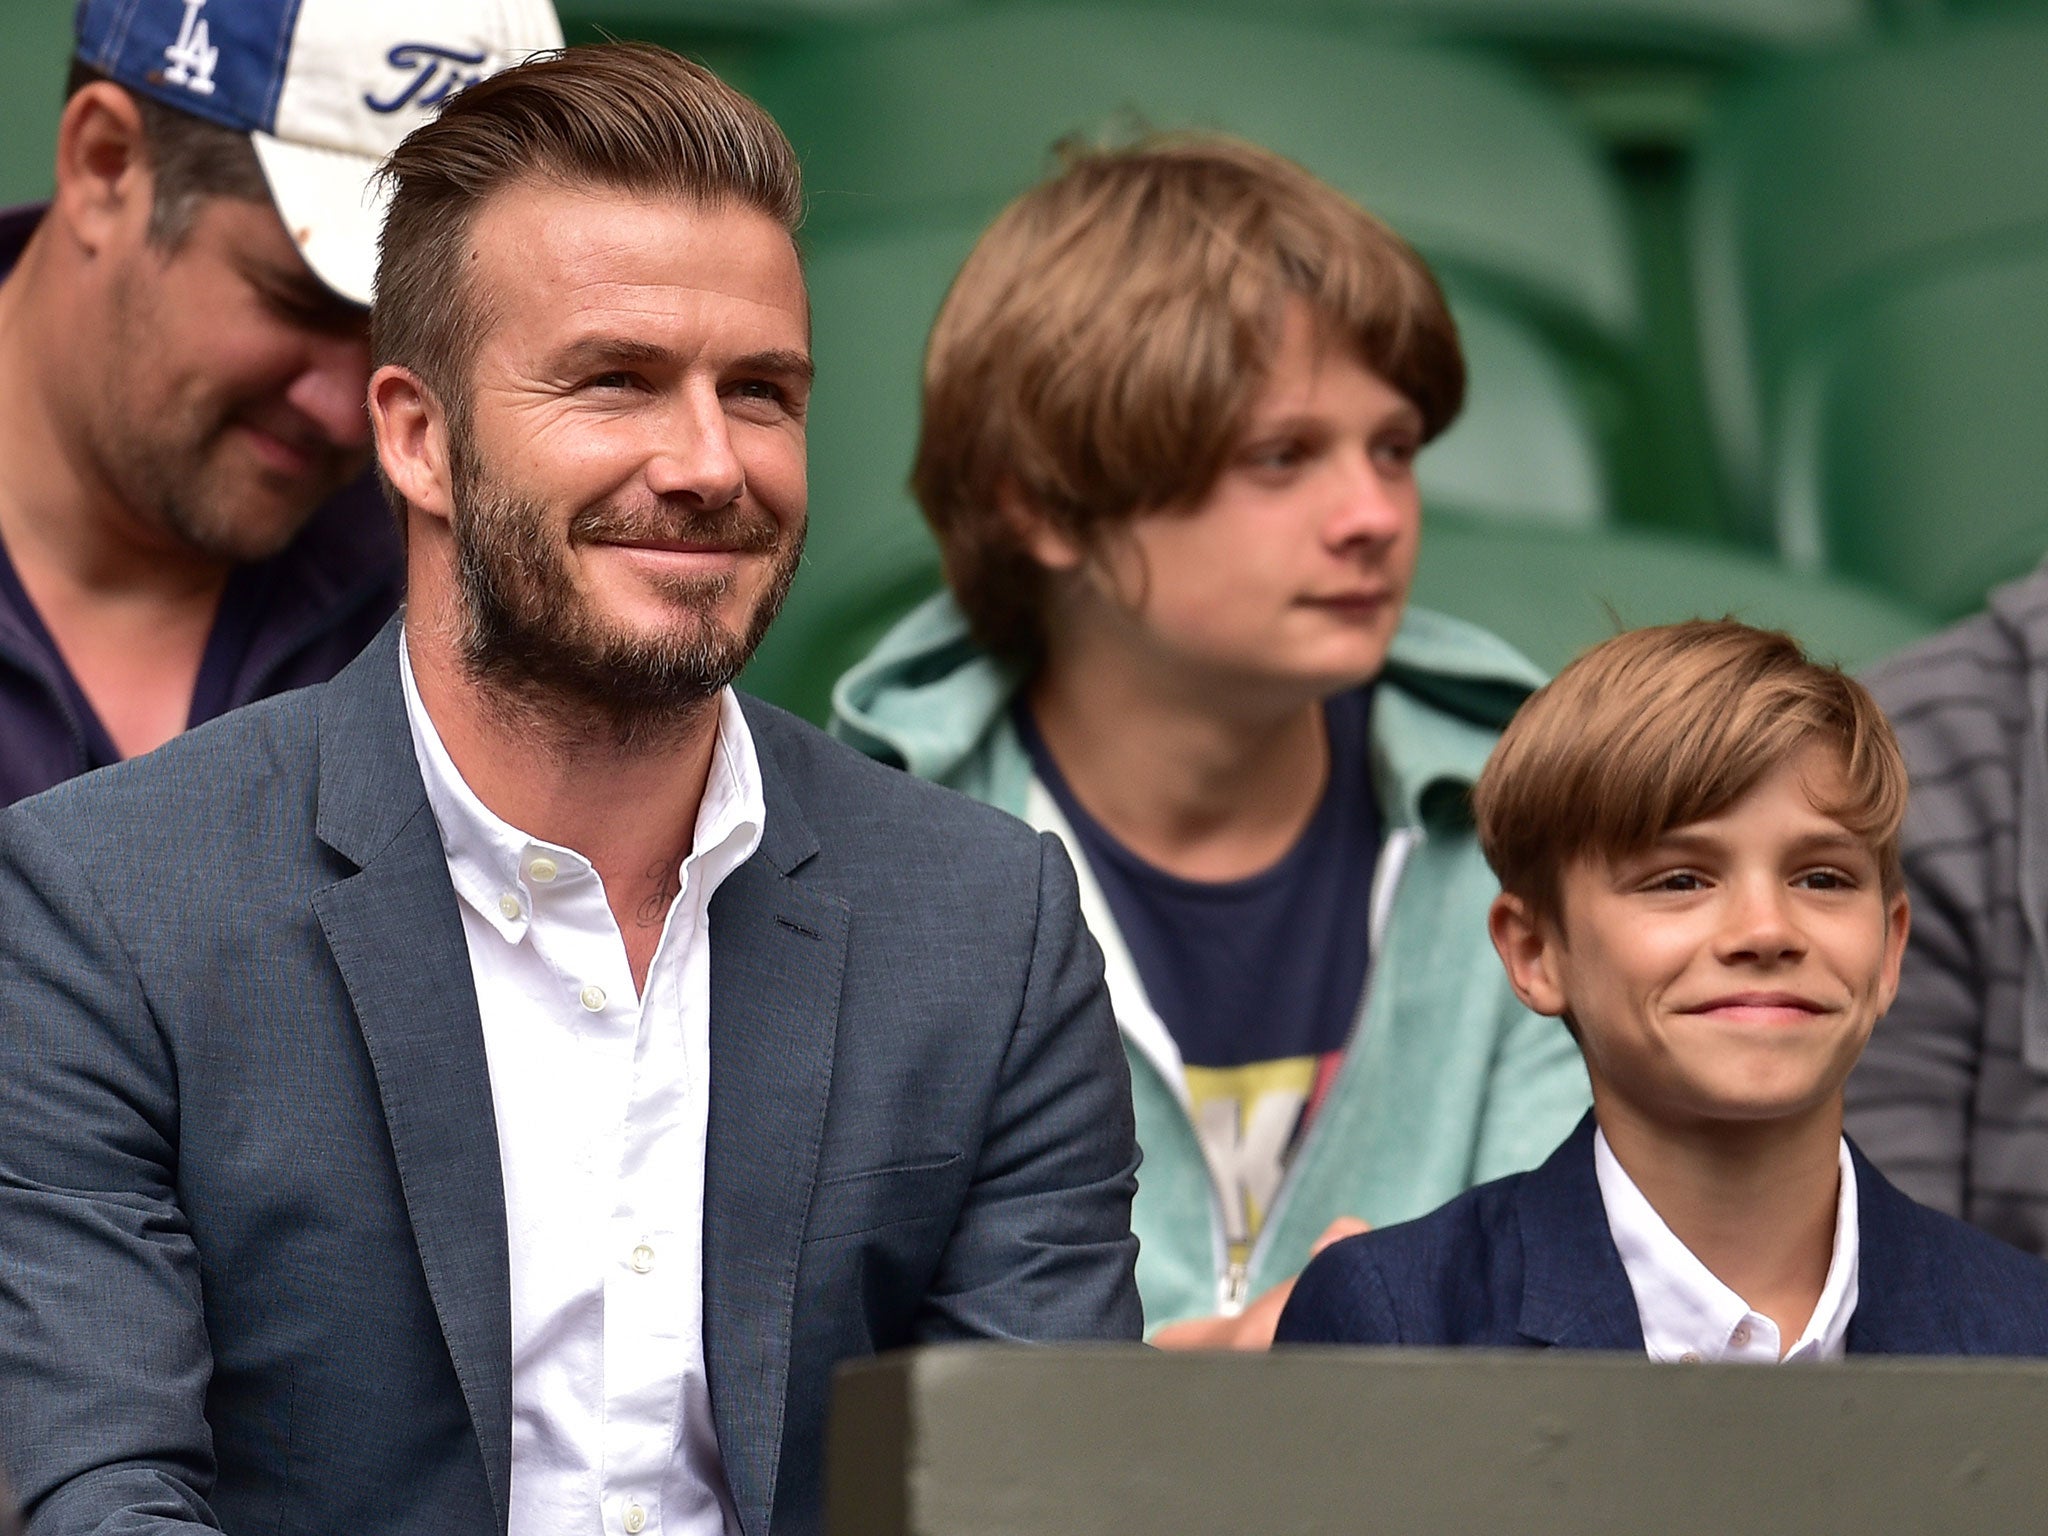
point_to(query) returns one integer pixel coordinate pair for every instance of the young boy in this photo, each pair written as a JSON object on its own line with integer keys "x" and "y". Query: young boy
{"x": 1171, "y": 412}
{"x": 1696, "y": 833}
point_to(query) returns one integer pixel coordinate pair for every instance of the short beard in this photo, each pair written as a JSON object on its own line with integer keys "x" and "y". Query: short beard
{"x": 554, "y": 663}
{"x": 199, "y": 524}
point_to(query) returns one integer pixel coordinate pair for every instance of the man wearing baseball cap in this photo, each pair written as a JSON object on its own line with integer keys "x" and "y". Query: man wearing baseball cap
{"x": 187, "y": 518}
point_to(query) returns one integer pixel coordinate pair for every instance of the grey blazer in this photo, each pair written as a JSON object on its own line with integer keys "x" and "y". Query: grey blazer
{"x": 253, "y": 1263}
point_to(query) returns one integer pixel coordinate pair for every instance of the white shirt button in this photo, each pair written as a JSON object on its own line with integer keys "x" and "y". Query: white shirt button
{"x": 1740, "y": 1336}
{"x": 636, "y": 1520}
{"x": 1690, "y": 1357}
{"x": 592, "y": 997}
{"x": 509, "y": 905}
{"x": 542, "y": 869}
{"x": 643, "y": 1259}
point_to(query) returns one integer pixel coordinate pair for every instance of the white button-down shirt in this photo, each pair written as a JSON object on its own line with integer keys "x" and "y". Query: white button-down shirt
{"x": 601, "y": 1095}
{"x": 1688, "y": 1314}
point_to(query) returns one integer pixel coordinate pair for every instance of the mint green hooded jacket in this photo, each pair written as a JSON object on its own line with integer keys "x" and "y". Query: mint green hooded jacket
{"x": 1448, "y": 1081}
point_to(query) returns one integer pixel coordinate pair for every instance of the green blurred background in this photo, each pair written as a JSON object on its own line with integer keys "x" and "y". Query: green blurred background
{"x": 1755, "y": 292}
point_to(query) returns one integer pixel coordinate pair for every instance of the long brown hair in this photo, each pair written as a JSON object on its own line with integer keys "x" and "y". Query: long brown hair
{"x": 1100, "y": 352}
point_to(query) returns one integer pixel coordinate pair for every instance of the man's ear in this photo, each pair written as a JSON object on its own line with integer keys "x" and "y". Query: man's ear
{"x": 1045, "y": 543}
{"x": 105, "y": 183}
{"x": 1530, "y": 951}
{"x": 412, "y": 439}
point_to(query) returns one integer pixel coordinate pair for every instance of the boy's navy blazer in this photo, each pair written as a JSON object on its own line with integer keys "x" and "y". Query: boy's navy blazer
{"x": 1529, "y": 1261}
{"x": 253, "y": 1255}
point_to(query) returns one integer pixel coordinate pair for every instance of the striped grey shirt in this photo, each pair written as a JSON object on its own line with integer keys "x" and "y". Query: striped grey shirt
{"x": 1951, "y": 1098}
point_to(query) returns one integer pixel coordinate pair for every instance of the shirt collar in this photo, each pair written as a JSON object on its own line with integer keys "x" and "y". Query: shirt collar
{"x": 1687, "y": 1313}
{"x": 493, "y": 865}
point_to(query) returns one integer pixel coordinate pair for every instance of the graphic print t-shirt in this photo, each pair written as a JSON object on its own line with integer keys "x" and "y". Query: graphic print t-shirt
{"x": 1257, "y": 980}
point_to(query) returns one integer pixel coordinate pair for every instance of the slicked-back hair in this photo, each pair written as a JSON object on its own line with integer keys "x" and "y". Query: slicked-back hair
{"x": 628, "y": 117}
{"x": 190, "y": 160}
{"x": 1100, "y": 353}
{"x": 1659, "y": 728}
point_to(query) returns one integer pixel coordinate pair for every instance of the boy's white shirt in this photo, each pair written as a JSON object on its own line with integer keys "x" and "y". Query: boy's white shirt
{"x": 1688, "y": 1315}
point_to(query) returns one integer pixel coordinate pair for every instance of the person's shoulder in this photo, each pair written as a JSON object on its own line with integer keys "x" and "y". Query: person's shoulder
{"x": 223, "y": 778}
{"x": 1454, "y": 669}
{"x": 845, "y": 790}
{"x": 1976, "y": 667}
{"x": 1456, "y": 651}
{"x": 1996, "y": 1294}
{"x": 1447, "y": 690}
{"x": 1979, "y": 1265}
{"x": 1959, "y": 703}
{"x": 1445, "y": 1278}
{"x": 1980, "y": 1257}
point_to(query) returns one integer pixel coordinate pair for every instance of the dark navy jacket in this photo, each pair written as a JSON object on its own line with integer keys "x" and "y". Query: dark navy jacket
{"x": 306, "y": 611}
{"x": 1528, "y": 1261}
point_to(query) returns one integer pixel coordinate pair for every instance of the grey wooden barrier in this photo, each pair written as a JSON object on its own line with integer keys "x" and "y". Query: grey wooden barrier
{"x": 1123, "y": 1441}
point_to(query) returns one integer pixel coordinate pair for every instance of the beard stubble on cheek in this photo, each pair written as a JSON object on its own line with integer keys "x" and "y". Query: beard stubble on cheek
{"x": 162, "y": 441}
{"x": 527, "y": 630}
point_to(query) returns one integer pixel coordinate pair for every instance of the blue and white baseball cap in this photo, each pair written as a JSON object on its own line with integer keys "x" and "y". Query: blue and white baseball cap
{"x": 325, "y": 89}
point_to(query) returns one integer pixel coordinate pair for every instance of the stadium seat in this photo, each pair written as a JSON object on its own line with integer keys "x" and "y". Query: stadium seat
{"x": 1685, "y": 28}
{"x": 1914, "y": 451}
{"x": 1731, "y": 29}
{"x": 1831, "y": 180}
{"x": 1474, "y": 164}
{"x": 1526, "y": 448}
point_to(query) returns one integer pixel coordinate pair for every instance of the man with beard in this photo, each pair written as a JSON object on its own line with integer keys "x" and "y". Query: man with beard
{"x": 187, "y": 520}
{"x": 493, "y": 1089}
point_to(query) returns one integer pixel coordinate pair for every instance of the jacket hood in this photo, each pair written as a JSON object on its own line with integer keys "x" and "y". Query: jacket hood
{"x": 929, "y": 699}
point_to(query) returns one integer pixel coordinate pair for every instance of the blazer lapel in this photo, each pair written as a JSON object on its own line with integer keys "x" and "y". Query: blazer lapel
{"x": 778, "y": 954}
{"x": 396, "y": 933}
{"x": 1575, "y": 1292}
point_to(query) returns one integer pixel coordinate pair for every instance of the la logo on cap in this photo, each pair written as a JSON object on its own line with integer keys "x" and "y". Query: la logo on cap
{"x": 192, "y": 56}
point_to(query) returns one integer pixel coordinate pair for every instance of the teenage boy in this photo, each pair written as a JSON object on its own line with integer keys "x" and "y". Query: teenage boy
{"x": 1696, "y": 833}
{"x": 1171, "y": 412}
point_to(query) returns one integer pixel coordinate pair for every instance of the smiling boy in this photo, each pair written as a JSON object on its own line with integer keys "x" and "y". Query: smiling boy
{"x": 1696, "y": 833}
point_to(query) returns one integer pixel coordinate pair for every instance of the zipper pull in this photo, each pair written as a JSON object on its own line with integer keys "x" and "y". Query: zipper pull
{"x": 1236, "y": 1279}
